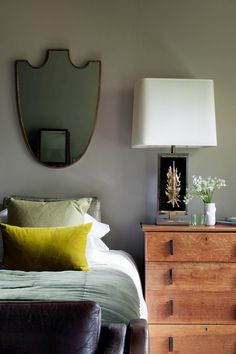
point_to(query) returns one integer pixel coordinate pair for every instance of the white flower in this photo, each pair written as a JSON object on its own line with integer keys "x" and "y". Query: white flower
{"x": 203, "y": 188}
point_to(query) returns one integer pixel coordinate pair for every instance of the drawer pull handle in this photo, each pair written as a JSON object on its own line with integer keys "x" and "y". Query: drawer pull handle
{"x": 171, "y": 344}
{"x": 170, "y": 276}
{"x": 171, "y": 247}
{"x": 171, "y": 307}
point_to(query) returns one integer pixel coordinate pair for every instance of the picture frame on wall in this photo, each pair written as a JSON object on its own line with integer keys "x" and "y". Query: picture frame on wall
{"x": 54, "y": 147}
{"x": 172, "y": 184}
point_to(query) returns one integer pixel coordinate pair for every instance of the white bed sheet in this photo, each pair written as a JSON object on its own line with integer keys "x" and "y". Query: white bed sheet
{"x": 124, "y": 262}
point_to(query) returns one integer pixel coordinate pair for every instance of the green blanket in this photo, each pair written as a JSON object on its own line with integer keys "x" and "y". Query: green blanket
{"x": 113, "y": 290}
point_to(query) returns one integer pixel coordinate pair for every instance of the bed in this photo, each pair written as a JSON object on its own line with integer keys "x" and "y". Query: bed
{"x": 111, "y": 280}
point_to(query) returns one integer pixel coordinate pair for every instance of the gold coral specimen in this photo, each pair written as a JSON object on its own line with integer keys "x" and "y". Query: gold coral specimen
{"x": 173, "y": 186}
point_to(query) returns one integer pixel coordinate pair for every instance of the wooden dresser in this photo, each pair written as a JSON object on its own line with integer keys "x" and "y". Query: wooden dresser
{"x": 190, "y": 289}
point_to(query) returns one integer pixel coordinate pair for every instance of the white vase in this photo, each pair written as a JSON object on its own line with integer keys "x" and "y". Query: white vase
{"x": 210, "y": 214}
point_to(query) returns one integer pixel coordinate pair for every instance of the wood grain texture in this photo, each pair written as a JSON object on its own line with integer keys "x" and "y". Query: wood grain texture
{"x": 195, "y": 277}
{"x": 193, "y": 339}
{"x": 192, "y": 307}
{"x": 166, "y": 228}
{"x": 197, "y": 283}
{"x": 191, "y": 247}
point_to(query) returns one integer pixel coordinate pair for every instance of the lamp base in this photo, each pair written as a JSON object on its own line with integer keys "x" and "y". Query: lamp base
{"x": 178, "y": 220}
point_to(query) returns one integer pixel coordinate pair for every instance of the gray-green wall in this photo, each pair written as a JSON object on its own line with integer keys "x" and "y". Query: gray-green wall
{"x": 133, "y": 39}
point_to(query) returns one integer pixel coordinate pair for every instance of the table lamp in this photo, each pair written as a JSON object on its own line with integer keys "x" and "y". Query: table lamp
{"x": 173, "y": 113}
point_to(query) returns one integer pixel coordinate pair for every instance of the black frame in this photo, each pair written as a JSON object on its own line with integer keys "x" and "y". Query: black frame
{"x": 180, "y": 162}
{"x": 65, "y": 160}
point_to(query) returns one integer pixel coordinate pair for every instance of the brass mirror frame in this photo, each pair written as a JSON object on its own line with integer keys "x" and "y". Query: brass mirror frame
{"x": 43, "y": 63}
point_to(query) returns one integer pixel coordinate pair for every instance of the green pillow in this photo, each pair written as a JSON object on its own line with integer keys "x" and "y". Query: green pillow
{"x": 47, "y": 214}
{"x": 37, "y": 249}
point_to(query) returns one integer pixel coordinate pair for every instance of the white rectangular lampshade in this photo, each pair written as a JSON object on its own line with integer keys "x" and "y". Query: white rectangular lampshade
{"x": 178, "y": 112}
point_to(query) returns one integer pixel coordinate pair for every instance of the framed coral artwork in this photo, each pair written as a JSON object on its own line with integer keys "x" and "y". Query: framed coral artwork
{"x": 172, "y": 183}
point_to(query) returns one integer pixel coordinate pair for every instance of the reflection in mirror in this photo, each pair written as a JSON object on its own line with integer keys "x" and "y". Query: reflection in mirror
{"x": 54, "y": 147}
{"x": 57, "y": 106}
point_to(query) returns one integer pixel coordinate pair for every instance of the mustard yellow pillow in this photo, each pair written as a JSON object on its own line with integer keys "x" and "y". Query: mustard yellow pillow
{"x": 36, "y": 249}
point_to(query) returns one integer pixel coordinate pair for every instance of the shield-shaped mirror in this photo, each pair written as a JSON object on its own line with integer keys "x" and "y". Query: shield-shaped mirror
{"x": 57, "y": 106}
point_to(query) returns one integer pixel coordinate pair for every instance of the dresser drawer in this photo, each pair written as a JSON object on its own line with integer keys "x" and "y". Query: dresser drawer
{"x": 191, "y": 307}
{"x": 171, "y": 276}
{"x": 190, "y": 289}
{"x": 190, "y": 339}
{"x": 190, "y": 246}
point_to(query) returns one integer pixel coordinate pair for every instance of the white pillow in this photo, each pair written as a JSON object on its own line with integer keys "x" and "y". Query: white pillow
{"x": 98, "y": 228}
{"x": 95, "y": 246}
{"x": 1, "y": 249}
{"x": 3, "y": 216}
{"x": 3, "y": 219}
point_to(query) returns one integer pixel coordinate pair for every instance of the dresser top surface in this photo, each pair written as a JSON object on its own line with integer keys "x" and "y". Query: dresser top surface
{"x": 187, "y": 228}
